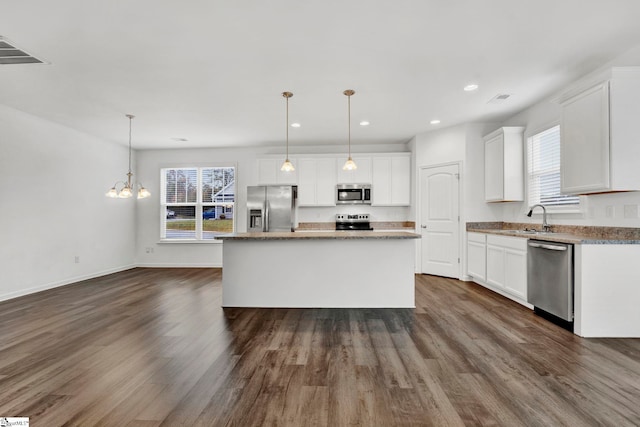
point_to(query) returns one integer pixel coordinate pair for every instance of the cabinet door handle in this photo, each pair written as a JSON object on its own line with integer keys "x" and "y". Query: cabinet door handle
{"x": 424, "y": 226}
{"x": 550, "y": 247}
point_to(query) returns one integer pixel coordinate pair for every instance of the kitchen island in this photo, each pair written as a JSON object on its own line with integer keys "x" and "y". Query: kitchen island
{"x": 327, "y": 269}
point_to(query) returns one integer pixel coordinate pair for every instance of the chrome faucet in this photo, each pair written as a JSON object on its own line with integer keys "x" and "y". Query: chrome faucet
{"x": 545, "y": 226}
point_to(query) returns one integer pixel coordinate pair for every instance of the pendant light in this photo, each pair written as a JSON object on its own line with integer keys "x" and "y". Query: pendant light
{"x": 349, "y": 165}
{"x": 126, "y": 191}
{"x": 287, "y": 166}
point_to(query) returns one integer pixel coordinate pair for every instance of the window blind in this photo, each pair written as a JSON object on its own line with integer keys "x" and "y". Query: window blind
{"x": 543, "y": 158}
{"x": 197, "y": 203}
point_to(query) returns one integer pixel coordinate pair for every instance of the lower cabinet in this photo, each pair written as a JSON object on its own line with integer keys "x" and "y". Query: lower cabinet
{"x": 506, "y": 263}
{"x": 477, "y": 256}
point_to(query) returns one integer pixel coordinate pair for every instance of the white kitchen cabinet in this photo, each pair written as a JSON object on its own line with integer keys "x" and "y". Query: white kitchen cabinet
{"x": 507, "y": 265}
{"x": 391, "y": 180}
{"x": 269, "y": 172}
{"x": 599, "y": 148}
{"x": 477, "y": 256}
{"x": 515, "y": 271}
{"x": 504, "y": 165}
{"x": 316, "y": 181}
{"x": 362, "y": 175}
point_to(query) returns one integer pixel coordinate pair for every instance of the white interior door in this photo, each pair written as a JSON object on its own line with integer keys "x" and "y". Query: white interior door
{"x": 440, "y": 220}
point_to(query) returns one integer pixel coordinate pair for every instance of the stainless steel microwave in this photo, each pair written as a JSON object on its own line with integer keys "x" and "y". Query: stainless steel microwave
{"x": 353, "y": 194}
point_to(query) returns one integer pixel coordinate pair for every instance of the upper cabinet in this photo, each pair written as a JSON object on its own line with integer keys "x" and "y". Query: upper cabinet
{"x": 269, "y": 172}
{"x": 317, "y": 181}
{"x": 391, "y": 180}
{"x": 504, "y": 165}
{"x": 318, "y": 174}
{"x": 599, "y": 134}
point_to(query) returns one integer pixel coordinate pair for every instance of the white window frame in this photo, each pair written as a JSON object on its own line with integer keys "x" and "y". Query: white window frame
{"x": 198, "y": 204}
{"x": 555, "y": 209}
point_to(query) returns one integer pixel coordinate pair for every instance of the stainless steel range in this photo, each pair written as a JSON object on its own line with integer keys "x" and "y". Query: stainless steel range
{"x": 353, "y": 222}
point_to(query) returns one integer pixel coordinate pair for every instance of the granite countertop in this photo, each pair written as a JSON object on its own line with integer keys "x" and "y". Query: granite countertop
{"x": 585, "y": 235}
{"x": 323, "y": 235}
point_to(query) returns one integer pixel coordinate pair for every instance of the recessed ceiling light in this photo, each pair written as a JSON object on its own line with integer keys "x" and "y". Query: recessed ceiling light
{"x": 471, "y": 87}
{"x": 364, "y": 123}
{"x": 295, "y": 125}
{"x": 435, "y": 122}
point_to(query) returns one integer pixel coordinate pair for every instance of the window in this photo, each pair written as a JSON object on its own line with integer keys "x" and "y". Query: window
{"x": 197, "y": 203}
{"x": 543, "y": 154}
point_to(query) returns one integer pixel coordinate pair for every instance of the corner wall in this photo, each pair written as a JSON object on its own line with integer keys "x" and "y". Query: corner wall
{"x": 54, "y": 207}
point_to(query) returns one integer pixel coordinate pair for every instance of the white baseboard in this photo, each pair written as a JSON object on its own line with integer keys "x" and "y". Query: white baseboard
{"x": 180, "y": 265}
{"x": 68, "y": 281}
{"x": 504, "y": 294}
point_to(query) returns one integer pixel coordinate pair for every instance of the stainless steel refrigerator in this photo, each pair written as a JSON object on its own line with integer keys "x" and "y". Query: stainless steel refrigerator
{"x": 271, "y": 208}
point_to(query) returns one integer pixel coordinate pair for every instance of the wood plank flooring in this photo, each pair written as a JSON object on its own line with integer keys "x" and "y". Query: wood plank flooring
{"x": 152, "y": 347}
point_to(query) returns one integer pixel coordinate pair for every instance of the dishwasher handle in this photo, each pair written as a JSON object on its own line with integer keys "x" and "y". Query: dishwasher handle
{"x": 547, "y": 246}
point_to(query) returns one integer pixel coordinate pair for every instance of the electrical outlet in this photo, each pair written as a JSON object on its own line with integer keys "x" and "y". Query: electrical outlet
{"x": 77, "y": 259}
{"x": 631, "y": 211}
{"x": 609, "y": 212}
{"x": 149, "y": 250}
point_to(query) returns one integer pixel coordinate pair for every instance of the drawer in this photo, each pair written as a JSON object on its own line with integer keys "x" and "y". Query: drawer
{"x": 477, "y": 237}
{"x": 519, "y": 243}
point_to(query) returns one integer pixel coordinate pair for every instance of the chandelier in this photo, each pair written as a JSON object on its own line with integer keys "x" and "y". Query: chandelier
{"x": 127, "y": 190}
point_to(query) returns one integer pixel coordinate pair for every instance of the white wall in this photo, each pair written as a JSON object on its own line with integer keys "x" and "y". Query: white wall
{"x": 153, "y": 253}
{"x": 54, "y": 207}
{"x": 463, "y": 144}
{"x": 475, "y": 208}
{"x": 443, "y": 146}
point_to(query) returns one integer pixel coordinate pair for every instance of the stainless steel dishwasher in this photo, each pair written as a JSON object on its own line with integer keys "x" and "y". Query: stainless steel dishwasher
{"x": 550, "y": 279}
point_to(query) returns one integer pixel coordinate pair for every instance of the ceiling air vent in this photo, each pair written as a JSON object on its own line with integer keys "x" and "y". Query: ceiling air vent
{"x": 10, "y": 54}
{"x": 499, "y": 98}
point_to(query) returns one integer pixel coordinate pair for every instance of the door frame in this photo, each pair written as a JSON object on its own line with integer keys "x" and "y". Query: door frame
{"x": 461, "y": 235}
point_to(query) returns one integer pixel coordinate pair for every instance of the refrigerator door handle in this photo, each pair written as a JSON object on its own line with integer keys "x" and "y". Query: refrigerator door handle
{"x": 265, "y": 223}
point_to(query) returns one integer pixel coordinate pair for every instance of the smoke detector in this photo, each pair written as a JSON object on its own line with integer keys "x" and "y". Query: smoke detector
{"x": 499, "y": 98}
{"x": 10, "y": 54}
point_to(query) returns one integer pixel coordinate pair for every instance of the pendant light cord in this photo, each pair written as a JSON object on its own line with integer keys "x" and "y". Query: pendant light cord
{"x": 129, "y": 175}
{"x": 349, "y": 115}
{"x": 287, "y": 126}
{"x": 130, "y": 118}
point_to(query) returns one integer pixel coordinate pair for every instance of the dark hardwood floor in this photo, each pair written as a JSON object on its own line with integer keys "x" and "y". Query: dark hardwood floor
{"x": 150, "y": 347}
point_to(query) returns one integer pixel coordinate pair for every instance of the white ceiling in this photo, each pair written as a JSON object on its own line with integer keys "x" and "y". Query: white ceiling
{"x": 213, "y": 71}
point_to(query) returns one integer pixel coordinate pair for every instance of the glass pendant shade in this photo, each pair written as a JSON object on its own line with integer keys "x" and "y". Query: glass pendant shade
{"x": 143, "y": 193}
{"x": 287, "y": 166}
{"x": 125, "y": 193}
{"x": 113, "y": 193}
{"x": 349, "y": 165}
